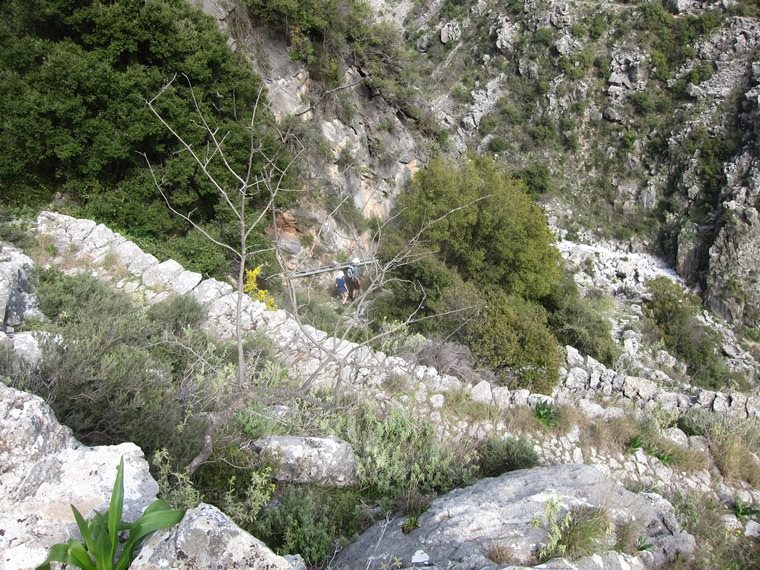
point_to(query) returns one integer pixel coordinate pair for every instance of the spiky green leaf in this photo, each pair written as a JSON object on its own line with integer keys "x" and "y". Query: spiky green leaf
{"x": 115, "y": 509}
{"x": 84, "y": 529}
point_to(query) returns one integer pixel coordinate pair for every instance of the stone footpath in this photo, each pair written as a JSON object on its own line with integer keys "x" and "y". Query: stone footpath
{"x": 326, "y": 362}
{"x": 312, "y": 355}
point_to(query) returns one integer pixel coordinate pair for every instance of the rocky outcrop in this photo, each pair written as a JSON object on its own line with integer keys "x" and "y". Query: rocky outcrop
{"x": 451, "y": 32}
{"x": 44, "y": 470}
{"x": 734, "y": 276}
{"x": 17, "y": 300}
{"x": 460, "y": 530}
{"x": 323, "y": 461}
{"x": 206, "y": 538}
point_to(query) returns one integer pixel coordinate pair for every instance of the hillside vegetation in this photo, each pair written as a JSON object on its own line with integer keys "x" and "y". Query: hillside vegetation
{"x": 76, "y": 128}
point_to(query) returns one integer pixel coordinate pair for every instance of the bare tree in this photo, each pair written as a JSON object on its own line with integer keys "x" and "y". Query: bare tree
{"x": 262, "y": 174}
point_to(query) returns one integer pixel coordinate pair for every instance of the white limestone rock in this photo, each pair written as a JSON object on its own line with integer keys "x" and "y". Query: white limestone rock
{"x": 325, "y": 461}
{"x": 641, "y": 388}
{"x": 459, "y": 529}
{"x": 44, "y": 470}
{"x": 161, "y": 276}
{"x": 206, "y": 538}
{"x": 451, "y": 32}
{"x": 17, "y": 299}
{"x": 481, "y": 392}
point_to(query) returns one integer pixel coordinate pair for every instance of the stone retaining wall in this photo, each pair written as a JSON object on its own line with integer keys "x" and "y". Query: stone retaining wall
{"x": 312, "y": 355}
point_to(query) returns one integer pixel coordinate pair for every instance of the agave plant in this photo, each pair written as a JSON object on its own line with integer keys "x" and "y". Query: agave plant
{"x": 100, "y": 550}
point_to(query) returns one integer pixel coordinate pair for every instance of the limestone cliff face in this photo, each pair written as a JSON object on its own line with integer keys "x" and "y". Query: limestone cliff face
{"x": 734, "y": 276}
{"x": 655, "y": 151}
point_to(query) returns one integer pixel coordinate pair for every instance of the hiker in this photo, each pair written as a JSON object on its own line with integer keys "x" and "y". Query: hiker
{"x": 340, "y": 283}
{"x": 352, "y": 275}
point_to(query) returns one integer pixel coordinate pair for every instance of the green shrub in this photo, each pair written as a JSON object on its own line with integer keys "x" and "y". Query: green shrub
{"x": 177, "y": 313}
{"x": 544, "y": 36}
{"x": 547, "y": 414}
{"x": 700, "y": 515}
{"x": 579, "y": 322}
{"x": 311, "y": 522}
{"x": 483, "y": 224}
{"x": 461, "y": 93}
{"x": 400, "y": 455}
{"x": 582, "y": 531}
{"x": 511, "y": 336}
{"x": 497, "y": 144}
{"x": 142, "y": 379}
{"x": 75, "y": 120}
{"x": 497, "y": 456}
{"x": 675, "y": 312}
{"x": 537, "y": 179}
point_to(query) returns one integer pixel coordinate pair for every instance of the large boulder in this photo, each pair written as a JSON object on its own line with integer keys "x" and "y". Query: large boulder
{"x": 325, "y": 461}
{"x": 206, "y": 538}
{"x": 44, "y": 470}
{"x": 460, "y": 530}
{"x": 17, "y": 299}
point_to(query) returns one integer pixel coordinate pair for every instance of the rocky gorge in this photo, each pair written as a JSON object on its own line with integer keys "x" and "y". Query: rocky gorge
{"x": 350, "y": 440}
{"x": 598, "y": 393}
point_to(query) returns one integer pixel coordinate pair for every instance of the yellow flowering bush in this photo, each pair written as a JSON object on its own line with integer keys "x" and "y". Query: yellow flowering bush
{"x": 251, "y": 288}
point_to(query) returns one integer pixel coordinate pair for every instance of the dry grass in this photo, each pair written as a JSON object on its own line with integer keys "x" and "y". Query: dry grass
{"x": 612, "y": 435}
{"x": 459, "y": 404}
{"x": 396, "y": 383}
{"x": 735, "y": 461}
{"x": 111, "y": 264}
{"x": 734, "y": 443}
{"x": 569, "y": 417}
{"x": 522, "y": 420}
{"x": 627, "y": 537}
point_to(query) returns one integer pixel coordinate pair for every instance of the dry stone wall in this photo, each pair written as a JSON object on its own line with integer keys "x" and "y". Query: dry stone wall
{"x": 312, "y": 355}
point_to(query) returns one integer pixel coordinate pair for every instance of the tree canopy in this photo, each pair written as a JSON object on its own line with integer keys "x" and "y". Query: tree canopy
{"x": 74, "y": 78}
{"x": 483, "y": 224}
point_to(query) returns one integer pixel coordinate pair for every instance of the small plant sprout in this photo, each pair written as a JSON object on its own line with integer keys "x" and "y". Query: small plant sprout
{"x": 746, "y": 510}
{"x": 100, "y": 550}
{"x": 546, "y": 414}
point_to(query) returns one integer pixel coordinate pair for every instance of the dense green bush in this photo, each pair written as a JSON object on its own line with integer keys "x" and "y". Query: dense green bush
{"x": 75, "y": 79}
{"x": 511, "y": 336}
{"x": 482, "y": 223}
{"x": 401, "y": 457}
{"x": 311, "y": 522}
{"x": 576, "y": 321}
{"x": 537, "y": 179}
{"x": 478, "y": 254}
{"x": 675, "y": 312}
{"x": 119, "y": 373}
{"x": 497, "y": 456}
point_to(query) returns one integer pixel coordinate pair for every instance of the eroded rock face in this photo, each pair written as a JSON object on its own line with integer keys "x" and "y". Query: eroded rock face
{"x": 17, "y": 299}
{"x": 206, "y": 538}
{"x": 734, "y": 277}
{"x": 459, "y": 529}
{"x": 44, "y": 469}
{"x": 325, "y": 461}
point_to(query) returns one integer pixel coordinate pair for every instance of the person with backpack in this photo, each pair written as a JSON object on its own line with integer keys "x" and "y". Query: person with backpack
{"x": 340, "y": 283}
{"x": 351, "y": 274}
